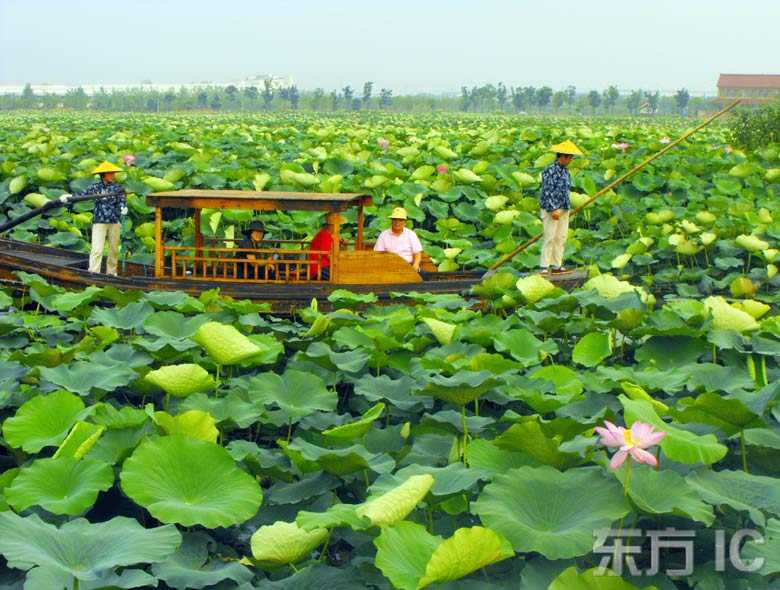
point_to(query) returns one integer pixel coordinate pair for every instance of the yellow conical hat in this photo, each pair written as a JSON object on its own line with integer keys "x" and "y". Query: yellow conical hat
{"x": 567, "y": 147}
{"x": 106, "y": 167}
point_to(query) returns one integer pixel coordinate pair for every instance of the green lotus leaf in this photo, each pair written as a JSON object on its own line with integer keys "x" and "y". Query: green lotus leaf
{"x": 129, "y": 317}
{"x": 529, "y": 438}
{"x": 296, "y": 393}
{"x": 42, "y": 421}
{"x": 517, "y": 505}
{"x": 181, "y": 380}
{"x": 190, "y": 566}
{"x": 441, "y": 330}
{"x": 523, "y": 346}
{"x": 592, "y": 348}
{"x": 592, "y": 579}
{"x": 395, "y": 505}
{"x": 81, "y": 438}
{"x": 339, "y": 461}
{"x": 284, "y": 542}
{"x": 678, "y": 444}
{"x": 403, "y": 552}
{"x": 225, "y": 344}
{"x": 6, "y": 477}
{"x": 335, "y": 516}
{"x": 82, "y": 549}
{"x": 768, "y": 549}
{"x": 82, "y": 377}
{"x": 742, "y": 491}
{"x": 187, "y": 481}
{"x": 666, "y": 492}
{"x": 468, "y": 550}
{"x": 192, "y": 423}
{"x": 62, "y": 486}
{"x": 461, "y": 388}
{"x": 358, "y": 428}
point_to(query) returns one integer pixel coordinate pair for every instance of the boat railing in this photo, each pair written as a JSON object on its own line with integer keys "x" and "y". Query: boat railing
{"x": 255, "y": 265}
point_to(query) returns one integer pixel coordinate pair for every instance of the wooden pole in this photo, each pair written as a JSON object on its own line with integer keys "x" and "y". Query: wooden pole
{"x": 361, "y": 219}
{"x": 198, "y": 233}
{"x": 507, "y": 257}
{"x": 158, "y": 243}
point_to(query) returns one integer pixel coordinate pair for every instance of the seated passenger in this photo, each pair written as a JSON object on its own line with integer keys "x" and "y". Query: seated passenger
{"x": 253, "y": 238}
{"x": 400, "y": 240}
{"x": 323, "y": 240}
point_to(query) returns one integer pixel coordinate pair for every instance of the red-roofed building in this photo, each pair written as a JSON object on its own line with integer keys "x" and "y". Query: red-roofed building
{"x": 754, "y": 88}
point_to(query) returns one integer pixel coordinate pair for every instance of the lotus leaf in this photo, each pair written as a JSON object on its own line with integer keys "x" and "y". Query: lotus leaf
{"x": 62, "y": 485}
{"x": 284, "y": 542}
{"x": 225, "y": 344}
{"x": 181, "y": 380}
{"x": 42, "y": 421}
{"x": 393, "y": 506}
{"x": 187, "y": 481}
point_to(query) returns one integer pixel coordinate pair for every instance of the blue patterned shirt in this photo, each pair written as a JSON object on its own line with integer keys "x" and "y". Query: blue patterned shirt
{"x": 556, "y": 183}
{"x": 107, "y": 209}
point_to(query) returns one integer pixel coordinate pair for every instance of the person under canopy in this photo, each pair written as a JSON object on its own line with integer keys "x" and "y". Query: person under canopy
{"x": 400, "y": 240}
{"x": 323, "y": 242}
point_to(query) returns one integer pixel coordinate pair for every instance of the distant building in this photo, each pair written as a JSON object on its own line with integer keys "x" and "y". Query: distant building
{"x": 754, "y": 88}
{"x": 258, "y": 81}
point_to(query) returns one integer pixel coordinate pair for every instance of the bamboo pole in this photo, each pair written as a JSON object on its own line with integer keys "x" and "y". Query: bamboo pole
{"x": 507, "y": 257}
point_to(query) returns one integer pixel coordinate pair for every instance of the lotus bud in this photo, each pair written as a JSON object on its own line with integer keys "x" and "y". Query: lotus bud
{"x": 383, "y": 143}
{"x": 129, "y": 159}
{"x": 442, "y": 169}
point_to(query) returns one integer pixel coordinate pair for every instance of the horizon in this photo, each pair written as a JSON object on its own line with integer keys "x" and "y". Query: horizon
{"x": 432, "y": 48}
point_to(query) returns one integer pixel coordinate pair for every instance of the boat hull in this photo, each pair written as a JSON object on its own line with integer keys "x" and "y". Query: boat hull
{"x": 69, "y": 269}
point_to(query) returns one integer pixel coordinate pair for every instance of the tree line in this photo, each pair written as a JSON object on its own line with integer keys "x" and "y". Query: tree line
{"x": 488, "y": 98}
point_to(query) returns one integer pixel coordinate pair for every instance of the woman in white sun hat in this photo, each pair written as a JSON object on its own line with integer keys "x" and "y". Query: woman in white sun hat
{"x": 400, "y": 240}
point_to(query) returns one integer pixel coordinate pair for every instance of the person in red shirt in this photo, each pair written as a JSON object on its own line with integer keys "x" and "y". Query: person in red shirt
{"x": 320, "y": 263}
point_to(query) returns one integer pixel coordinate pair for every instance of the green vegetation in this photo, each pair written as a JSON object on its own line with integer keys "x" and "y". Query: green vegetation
{"x": 438, "y": 441}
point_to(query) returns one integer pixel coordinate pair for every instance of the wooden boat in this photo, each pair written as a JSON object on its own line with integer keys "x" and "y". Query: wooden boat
{"x": 290, "y": 280}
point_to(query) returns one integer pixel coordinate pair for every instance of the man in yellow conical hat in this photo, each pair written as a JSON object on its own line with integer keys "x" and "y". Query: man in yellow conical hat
{"x": 106, "y": 217}
{"x": 554, "y": 203}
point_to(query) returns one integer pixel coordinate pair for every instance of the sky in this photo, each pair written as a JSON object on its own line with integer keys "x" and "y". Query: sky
{"x": 408, "y": 46}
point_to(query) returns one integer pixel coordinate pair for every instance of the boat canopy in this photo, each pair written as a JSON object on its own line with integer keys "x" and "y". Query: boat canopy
{"x": 257, "y": 200}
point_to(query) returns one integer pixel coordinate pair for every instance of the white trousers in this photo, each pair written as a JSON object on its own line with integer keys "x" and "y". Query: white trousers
{"x": 554, "y": 238}
{"x": 99, "y": 233}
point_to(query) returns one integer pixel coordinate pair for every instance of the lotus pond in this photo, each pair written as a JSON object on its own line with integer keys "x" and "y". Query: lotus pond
{"x": 170, "y": 441}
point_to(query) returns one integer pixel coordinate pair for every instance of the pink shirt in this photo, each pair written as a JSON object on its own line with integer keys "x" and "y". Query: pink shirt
{"x": 405, "y": 245}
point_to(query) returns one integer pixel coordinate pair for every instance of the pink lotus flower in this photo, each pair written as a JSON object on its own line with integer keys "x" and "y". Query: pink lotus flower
{"x": 622, "y": 146}
{"x": 633, "y": 441}
{"x": 383, "y": 143}
{"x": 728, "y": 149}
{"x": 665, "y": 140}
{"x": 442, "y": 169}
{"x": 129, "y": 159}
